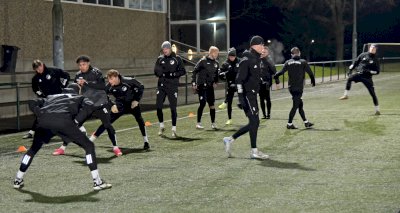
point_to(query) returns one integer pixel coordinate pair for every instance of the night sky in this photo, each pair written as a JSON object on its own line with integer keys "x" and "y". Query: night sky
{"x": 372, "y": 27}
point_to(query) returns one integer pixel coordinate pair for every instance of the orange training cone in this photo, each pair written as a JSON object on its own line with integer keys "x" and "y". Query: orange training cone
{"x": 22, "y": 149}
{"x": 191, "y": 115}
{"x": 147, "y": 123}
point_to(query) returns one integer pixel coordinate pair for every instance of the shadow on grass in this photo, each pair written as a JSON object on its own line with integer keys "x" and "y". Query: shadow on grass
{"x": 39, "y": 198}
{"x": 369, "y": 126}
{"x": 284, "y": 165}
{"x": 181, "y": 138}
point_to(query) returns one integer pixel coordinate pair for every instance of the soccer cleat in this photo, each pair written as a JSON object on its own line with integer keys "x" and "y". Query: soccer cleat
{"x": 264, "y": 117}
{"x": 258, "y": 155}
{"x": 308, "y": 125}
{"x": 291, "y": 126}
{"x": 117, "y": 151}
{"x": 27, "y": 136}
{"x": 377, "y": 113}
{"x": 18, "y": 183}
{"x": 101, "y": 186}
{"x": 199, "y": 126}
{"x": 59, "y": 151}
{"x": 228, "y": 145}
{"x": 214, "y": 126}
{"x": 228, "y": 122}
{"x": 146, "y": 146}
{"x": 161, "y": 131}
{"x": 268, "y": 116}
{"x": 222, "y": 106}
{"x": 344, "y": 97}
{"x": 174, "y": 135}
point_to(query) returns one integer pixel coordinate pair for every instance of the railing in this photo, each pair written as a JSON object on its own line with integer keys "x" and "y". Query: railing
{"x": 325, "y": 71}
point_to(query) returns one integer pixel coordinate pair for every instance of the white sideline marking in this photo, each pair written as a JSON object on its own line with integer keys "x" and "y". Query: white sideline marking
{"x": 234, "y": 108}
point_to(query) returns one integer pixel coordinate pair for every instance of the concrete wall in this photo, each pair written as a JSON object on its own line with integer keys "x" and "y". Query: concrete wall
{"x": 113, "y": 37}
{"x": 124, "y": 39}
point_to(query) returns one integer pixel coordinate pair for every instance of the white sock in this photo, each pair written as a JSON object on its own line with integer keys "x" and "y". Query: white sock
{"x": 92, "y": 138}
{"x": 96, "y": 176}
{"x": 82, "y": 129}
{"x": 115, "y": 147}
{"x": 62, "y": 147}
{"x": 31, "y": 132}
{"x": 290, "y": 124}
{"x": 346, "y": 92}
{"x": 377, "y": 108}
{"x": 145, "y": 139}
{"x": 306, "y": 121}
{"x": 20, "y": 175}
{"x": 254, "y": 150}
{"x": 174, "y": 128}
{"x": 162, "y": 125}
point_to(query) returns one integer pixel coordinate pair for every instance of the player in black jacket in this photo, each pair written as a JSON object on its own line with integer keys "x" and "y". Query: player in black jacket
{"x": 228, "y": 71}
{"x": 366, "y": 66}
{"x": 247, "y": 81}
{"x": 92, "y": 84}
{"x": 46, "y": 81}
{"x": 55, "y": 115}
{"x": 268, "y": 70}
{"x": 127, "y": 92}
{"x": 297, "y": 67}
{"x": 168, "y": 68}
{"x": 204, "y": 80}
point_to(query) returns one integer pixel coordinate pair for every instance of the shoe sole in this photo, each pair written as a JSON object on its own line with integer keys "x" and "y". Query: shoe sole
{"x": 18, "y": 186}
{"x": 108, "y": 186}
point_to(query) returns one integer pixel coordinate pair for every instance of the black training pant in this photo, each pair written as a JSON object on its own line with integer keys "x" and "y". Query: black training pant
{"x": 250, "y": 107}
{"x": 206, "y": 95}
{"x": 63, "y": 125}
{"x": 172, "y": 94}
{"x": 367, "y": 83}
{"x": 230, "y": 93}
{"x": 297, "y": 104}
{"x": 265, "y": 96}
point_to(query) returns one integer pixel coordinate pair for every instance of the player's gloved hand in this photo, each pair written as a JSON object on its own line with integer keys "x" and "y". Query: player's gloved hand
{"x": 351, "y": 67}
{"x": 114, "y": 109}
{"x": 194, "y": 87}
{"x": 134, "y": 104}
{"x": 242, "y": 104}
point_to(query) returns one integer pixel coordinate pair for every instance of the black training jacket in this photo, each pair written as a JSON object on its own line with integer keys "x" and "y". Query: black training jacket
{"x": 50, "y": 82}
{"x": 296, "y": 68}
{"x": 95, "y": 86}
{"x": 168, "y": 69}
{"x": 205, "y": 72}
{"x": 249, "y": 74}
{"x": 229, "y": 70}
{"x": 365, "y": 63}
{"x": 127, "y": 91}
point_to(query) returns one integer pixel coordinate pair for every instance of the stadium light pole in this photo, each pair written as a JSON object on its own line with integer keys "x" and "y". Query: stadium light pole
{"x": 58, "y": 35}
{"x": 354, "y": 45}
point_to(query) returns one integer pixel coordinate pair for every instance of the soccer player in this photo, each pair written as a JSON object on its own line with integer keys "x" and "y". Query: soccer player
{"x": 46, "y": 81}
{"x": 366, "y": 66}
{"x": 228, "y": 71}
{"x": 204, "y": 80}
{"x": 247, "y": 82}
{"x": 296, "y": 67}
{"x": 127, "y": 92}
{"x": 168, "y": 68}
{"x": 268, "y": 71}
{"x": 92, "y": 84}
{"x": 59, "y": 114}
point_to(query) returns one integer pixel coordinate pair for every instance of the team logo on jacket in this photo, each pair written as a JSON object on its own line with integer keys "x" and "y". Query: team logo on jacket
{"x": 48, "y": 77}
{"x": 371, "y": 61}
{"x": 364, "y": 59}
{"x": 229, "y": 66}
{"x": 40, "y": 80}
{"x": 215, "y": 65}
{"x": 124, "y": 88}
{"x": 162, "y": 62}
{"x": 255, "y": 66}
{"x": 172, "y": 62}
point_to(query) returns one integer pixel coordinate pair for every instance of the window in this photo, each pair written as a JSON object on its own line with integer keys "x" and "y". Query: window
{"x": 89, "y": 1}
{"x": 157, "y": 5}
{"x": 134, "y": 4}
{"x": 213, "y": 34}
{"x": 147, "y": 4}
{"x": 183, "y": 10}
{"x": 105, "y": 2}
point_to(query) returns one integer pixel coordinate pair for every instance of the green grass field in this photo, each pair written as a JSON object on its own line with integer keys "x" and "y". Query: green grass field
{"x": 349, "y": 162}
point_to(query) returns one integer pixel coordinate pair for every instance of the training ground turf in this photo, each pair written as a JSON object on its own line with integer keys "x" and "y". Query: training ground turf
{"x": 349, "y": 162}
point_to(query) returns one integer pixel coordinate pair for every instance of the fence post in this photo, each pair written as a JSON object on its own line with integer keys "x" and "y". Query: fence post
{"x": 186, "y": 89}
{"x": 18, "y": 107}
{"x": 330, "y": 72}
{"x": 323, "y": 72}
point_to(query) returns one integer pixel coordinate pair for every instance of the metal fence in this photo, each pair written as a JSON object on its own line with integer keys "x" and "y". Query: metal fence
{"x": 325, "y": 71}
